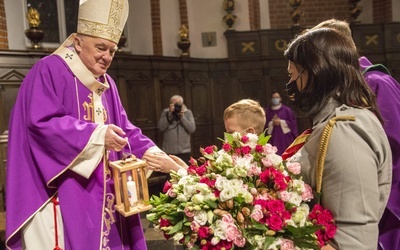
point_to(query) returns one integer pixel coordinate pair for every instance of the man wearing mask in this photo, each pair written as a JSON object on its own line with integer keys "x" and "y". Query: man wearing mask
{"x": 281, "y": 123}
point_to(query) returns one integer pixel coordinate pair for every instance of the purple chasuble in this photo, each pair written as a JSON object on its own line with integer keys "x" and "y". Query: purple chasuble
{"x": 387, "y": 91}
{"x": 278, "y": 138}
{"x": 49, "y": 127}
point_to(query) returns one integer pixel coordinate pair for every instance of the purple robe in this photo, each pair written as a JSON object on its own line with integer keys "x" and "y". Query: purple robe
{"x": 47, "y": 132}
{"x": 278, "y": 138}
{"x": 387, "y": 91}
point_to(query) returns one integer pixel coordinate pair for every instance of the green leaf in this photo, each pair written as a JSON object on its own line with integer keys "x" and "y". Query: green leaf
{"x": 229, "y": 137}
{"x": 268, "y": 241}
{"x": 306, "y": 230}
{"x": 263, "y": 139}
{"x": 211, "y": 203}
{"x": 176, "y": 228}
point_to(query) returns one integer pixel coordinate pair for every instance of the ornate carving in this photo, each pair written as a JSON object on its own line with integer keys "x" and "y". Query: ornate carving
{"x": 295, "y": 13}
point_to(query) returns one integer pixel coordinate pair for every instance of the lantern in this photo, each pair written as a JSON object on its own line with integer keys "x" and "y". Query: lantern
{"x": 131, "y": 189}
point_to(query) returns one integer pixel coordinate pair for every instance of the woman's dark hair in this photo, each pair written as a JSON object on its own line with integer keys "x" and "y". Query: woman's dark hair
{"x": 331, "y": 61}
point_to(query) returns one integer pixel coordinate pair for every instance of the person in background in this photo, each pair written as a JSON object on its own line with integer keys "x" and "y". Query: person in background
{"x": 66, "y": 125}
{"x": 387, "y": 91}
{"x": 177, "y": 124}
{"x": 326, "y": 84}
{"x": 281, "y": 123}
{"x": 244, "y": 116}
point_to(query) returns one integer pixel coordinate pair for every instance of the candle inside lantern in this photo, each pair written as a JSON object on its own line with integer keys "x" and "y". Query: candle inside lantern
{"x": 132, "y": 195}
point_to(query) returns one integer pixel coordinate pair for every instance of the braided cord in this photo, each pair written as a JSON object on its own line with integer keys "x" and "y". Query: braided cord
{"x": 323, "y": 148}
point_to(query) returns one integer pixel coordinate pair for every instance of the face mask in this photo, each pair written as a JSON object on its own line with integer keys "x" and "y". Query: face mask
{"x": 275, "y": 101}
{"x": 291, "y": 88}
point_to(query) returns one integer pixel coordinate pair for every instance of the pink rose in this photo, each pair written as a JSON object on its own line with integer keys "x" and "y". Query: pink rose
{"x": 294, "y": 167}
{"x": 307, "y": 194}
{"x": 287, "y": 244}
{"x": 239, "y": 241}
{"x": 285, "y": 196}
{"x": 231, "y": 232}
{"x": 188, "y": 212}
{"x": 194, "y": 226}
{"x": 167, "y": 186}
{"x": 228, "y": 219}
{"x": 245, "y": 139}
{"x": 257, "y": 213}
{"x": 269, "y": 149}
{"x": 267, "y": 162}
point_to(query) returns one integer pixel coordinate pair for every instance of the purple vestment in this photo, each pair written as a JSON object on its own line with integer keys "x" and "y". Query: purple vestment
{"x": 49, "y": 127}
{"x": 278, "y": 138}
{"x": 387, "y": 92}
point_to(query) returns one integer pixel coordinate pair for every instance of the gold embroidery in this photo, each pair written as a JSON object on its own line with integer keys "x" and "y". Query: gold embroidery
{"x": 111, "y": 30}
{"x": 88, "y": 107}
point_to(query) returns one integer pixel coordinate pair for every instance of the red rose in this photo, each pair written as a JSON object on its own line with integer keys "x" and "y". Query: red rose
{"x": 259, "y": 148}
{"x": 209, "y": 150}
{"x": 226, "y": 147}
{"x": 276, "y": 206}
{"x": 201, "y": 170}
{"x": 167, "y": 186}
{"x": 164, "y": 222}
{"x": 330, "y": 231}
{"x": 275, "y": 222}
{"x": 246, "y": 149}
{"x": 203, "y": 232}
{"x": 245, "y": 139}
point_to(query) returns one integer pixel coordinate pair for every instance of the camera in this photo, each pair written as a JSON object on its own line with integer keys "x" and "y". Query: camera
{"x": 177, "y": 110}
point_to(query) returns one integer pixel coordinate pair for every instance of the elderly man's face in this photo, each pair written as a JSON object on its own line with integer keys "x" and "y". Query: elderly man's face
{"x": 95, "y": 53}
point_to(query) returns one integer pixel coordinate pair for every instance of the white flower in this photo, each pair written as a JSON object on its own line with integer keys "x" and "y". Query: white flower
{"x": 224, "y": 157}
{"x": 178, "y": 236}
{"x": 182, "y": 198}
{"x": 215, "y": 240}
{"x": 227, "y": 193}
{"x": 253, "y": 139}
{"x": 200, "y": 217}
{"x": 300, "y": 216}
{"x": 298, "y": 186}
{"x": 221, "y": 182}
{"x": 219, "y": 228}
{"x": 295, "y": 199}
{"x": 202, "y": 187}
{"x": 197, "y": 199}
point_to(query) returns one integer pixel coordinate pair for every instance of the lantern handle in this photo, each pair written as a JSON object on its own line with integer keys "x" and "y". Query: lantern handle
{"x": 129, "y": 155}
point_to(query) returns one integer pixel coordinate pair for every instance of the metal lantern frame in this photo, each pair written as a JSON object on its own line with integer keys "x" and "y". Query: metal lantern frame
{"x": 137, "y": 169}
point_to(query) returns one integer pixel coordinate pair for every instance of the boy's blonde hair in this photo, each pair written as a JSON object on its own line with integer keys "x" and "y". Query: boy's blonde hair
{"x": 341, "y": 26}
{"x": 249, "y": 113}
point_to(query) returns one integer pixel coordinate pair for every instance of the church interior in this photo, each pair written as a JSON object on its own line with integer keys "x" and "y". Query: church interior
{"x": 211, "y": 52}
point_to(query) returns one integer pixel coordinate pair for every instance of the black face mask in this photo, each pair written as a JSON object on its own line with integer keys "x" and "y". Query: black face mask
{"x": 291, "y": 88}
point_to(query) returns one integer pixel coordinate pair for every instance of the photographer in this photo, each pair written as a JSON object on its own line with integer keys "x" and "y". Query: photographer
{"x": 177, "y": 123}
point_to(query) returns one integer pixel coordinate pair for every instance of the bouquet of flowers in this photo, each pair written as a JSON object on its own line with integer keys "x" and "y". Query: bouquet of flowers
{"x": 242, "y": 196}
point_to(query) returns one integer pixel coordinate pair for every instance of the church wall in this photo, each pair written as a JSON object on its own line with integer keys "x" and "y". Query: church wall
{"x": 170, "y": 24}
{"x": 139, "y": 33}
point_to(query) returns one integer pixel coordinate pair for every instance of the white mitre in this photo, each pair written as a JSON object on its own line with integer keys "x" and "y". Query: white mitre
{"x": 103, "y": 18}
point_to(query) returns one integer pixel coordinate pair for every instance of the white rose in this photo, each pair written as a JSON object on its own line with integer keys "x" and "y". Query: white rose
{"x": 202, "y": 187}
{"x": 227, "y": 193}
{"x": 178, "y": 236}
{"x": 200, "y": 217}
{"x": 197, "y": 199}
{"x": 219, "y": 228}
{"x": 295, "y": 199}
{"x": 221, "y": 182}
